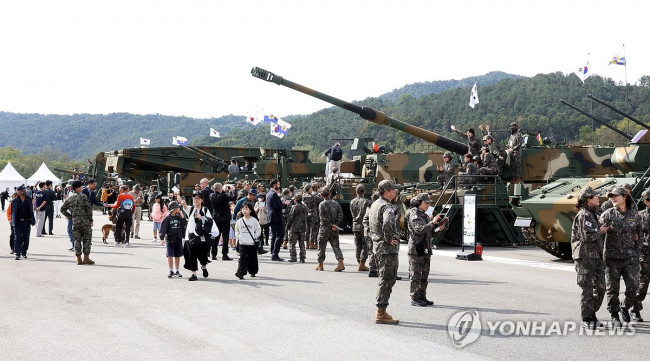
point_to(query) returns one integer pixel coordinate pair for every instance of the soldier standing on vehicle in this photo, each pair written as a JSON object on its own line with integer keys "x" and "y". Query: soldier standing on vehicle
{"x": 312, "y": 200}
{"x": 515, "y": 143}
{"x": 622, "y": 243}
{"x": 359, "y": 207}
{"x": 78, "y": 208}
{"x": 446, "y": 170}
{"x": 644, "y": 259}
{"x": 330, "y": 215}
{"x": 587, "y": 236}
{"x": 297, "y": 226}
{"x": 334, "y": 155}
{"x": 384, "y": 219}
{"x": 473, "y": 143}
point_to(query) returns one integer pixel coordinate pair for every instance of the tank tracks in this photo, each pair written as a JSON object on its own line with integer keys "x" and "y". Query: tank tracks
{"x": 558, "y": 249}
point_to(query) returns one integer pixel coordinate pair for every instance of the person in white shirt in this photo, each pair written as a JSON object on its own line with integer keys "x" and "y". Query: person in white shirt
{"x": 247, "y": 232}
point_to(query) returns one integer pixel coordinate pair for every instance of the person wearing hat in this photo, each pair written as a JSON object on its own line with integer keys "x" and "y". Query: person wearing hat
{"x": 372, "y": 260}
{"x": 473, "y": 143}
{"x": 138, "y": 198}
{"x": 515, "y": 143}
{"x": 287, "y": 198}
{"x": 622, "y": 243}
{"x": 447, "y": 170}
{"x": 420, "y": 231}
{"x": 78, "y": 208}
{"x": 158, "y": 213}
{"x": 587, "y": 236}
{"x": 172, "y": 230}
{"x": 644, "y": 259}
{"x": 312, "y": 200}
{"x": 384, "y": 232}
{"x": 297, "y": 229}
{"x": 22, "y": 218}
{"x": 608, "y": 203}
{"x": 331, "y": 215}
{"x": 358, "y": 208}
{"x": 494, "y": 148}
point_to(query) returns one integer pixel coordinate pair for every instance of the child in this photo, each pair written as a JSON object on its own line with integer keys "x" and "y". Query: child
{"x": 247, "y": 231}
{"x": 173, "y": 228}
{"x": 158, "y": 213}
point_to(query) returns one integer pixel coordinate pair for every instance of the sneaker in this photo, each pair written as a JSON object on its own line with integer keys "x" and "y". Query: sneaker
{"x": 137, "y": 237}
{"x": 17, "y": 258}
{"x": 239, "y": 275}
{"x": 154, "y": 240}
{"x": 214, "y": 258}
{"x": 12, "y": 252}
{"x": 252, "y": 275}
{"x": 24, "y": 256}
{"x": 625, "y": 315}
{"x": 178, "y": 274}
{"x": 277, "y": 259}
{"x": 205, "y": 272}
{"x": 127, "y": 244}
{"x": 226, "y": 258}
{"x": 193, "y": 277}
{"x": 418, "y": 303}
{"x": 71, "y": 249}
{"x": 262, "y": 251}
{"x": 616, "y": 321}
{"x": 171, "y": 274}
{"x": 636, "y": 316}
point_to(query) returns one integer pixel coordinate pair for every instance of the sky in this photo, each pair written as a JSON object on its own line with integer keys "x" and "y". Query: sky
{"x": 193, "y": 57}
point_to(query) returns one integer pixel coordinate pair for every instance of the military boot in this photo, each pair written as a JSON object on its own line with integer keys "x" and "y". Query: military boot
{"x": 595, "y": 319}
{"x": 382, "y": 317}
{"x": 373, "y": 274}
{"x": 319, "y": 266}
{"x": 284, "y": 245}
{"x": 636, "y": 316}
{"x": 362, "y": 266}
{"x": 625, "y": 315}
{"x": 340, "y": 267}
{"x": 79, "y": 261}
{"x": 588, "y": 323}
{"x": 312, "y": 245}
{"x": 87, "y": 260}
{"x": 616, "y": 321}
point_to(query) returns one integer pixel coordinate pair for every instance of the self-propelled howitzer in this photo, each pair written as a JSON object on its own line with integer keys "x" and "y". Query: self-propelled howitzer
{"x": 366, "y": 113}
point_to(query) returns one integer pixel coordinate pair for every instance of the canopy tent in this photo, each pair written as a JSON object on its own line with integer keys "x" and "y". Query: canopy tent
{"x": 10, "y": 178}
{"x": 42, "y": 174}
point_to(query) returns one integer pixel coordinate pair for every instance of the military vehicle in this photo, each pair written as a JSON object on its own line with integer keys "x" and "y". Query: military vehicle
{"x": 546, "y": 214}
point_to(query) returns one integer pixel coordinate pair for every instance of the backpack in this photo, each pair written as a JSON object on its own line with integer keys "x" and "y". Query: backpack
{"x": 337, "y": 154}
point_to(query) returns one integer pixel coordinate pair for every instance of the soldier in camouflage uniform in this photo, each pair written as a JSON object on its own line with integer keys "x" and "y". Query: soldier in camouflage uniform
{"x": 515, "y": 143}
{"x": 332, "y": 183}
{"x": 447, "y": 170}
{"x": 331, "y": 214}
{"x": 420, "y": 228}
{"x": 297, "y": 226}
{"x": 384, "y": 232}
{"x": 644, "y": 259}
{"x": 358, "y": 209}
{"x": 372, "y": 260}
{"x": 587, "y": 236}
{"x": 311, "y": 199}
{"x": 77, "y": 208}
{"x": 470, "y": 168}
{"x": 286, "y": 197}
{"x": 622, "y": 243}
{"x": 473, "y": 143}
{"x": 608, "y": 203}
{"x": 490, "y": 165}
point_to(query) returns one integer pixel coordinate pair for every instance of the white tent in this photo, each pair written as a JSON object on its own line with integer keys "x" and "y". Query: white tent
{"x": 10, "y": 178}
{"x": 42, "y": 174}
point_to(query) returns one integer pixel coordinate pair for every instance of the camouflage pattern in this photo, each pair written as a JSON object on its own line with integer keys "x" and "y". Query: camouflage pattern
{"x": 615, "y": 268}
{"x": 330, "y": 214}
{"x": 312, "y": 201}
{"x": 372, "y": 260}
{"x": 473, "y": 144}
{"x": 591, "y": 279}
{"x": 586, "y": 239}
{"x": 358, "y": 208}
{"x": 419, "y": 268}
{"x": 420, "y": 230}
{"x": 297, "y": 225}
{"x": 515, "y": 143}
{"x": 447, "y": 172}
{"x": 490, "y": 165}
{"x": 80, "y": 211}
{"x": 644, "y": 279}
{"x": 619, "y": 240}
{"x": 387, "y": 264}
{"x": 644, "y": 260}
{"x": 332, "y": 183}
{"x": 469, "y": 169}
{"x": 384, "y": 226}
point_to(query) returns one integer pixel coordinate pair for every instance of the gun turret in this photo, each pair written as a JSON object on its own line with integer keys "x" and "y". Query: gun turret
{"x": 366, "y": 113}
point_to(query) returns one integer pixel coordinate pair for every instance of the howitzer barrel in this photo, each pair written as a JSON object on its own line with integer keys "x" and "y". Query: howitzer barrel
{"x": 629, "y": 137}
{"x": 366, "y": 113}
{"x": 619, "y": 111}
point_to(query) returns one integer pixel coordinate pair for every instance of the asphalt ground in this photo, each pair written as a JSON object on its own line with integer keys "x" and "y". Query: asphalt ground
{"x": 125, "y": 307}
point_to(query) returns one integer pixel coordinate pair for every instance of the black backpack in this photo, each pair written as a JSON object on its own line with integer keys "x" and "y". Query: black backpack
{"x": 337, "y": 154}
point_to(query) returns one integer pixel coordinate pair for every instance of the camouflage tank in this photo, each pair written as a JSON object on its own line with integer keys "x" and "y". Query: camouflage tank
{"x": 546, "y": 214}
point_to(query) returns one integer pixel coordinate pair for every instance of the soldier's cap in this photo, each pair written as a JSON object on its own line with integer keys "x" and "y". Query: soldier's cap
{"x": 298, "y": 197}
{"x": 447, "y": 155}
{"x": 646, "y": 195}
{"x": 476, "y": 157}
{"x": 253, "y": 191}
{"x": 486, "y": 137}
{"x": 361, "y": 188}
{"x": 173, "y": 205}
{"x": 587, "y": 193}
{"x": 286, "y": 191}
{"x": 424, "y": 197}
{"x": 197, "y": 194}
{"x": 627, "y": 186}
{"x": 20, "y": 188}
{"x": 76, "y": 184}
{"x": 617, "y": 191}
{"x": 386, "y": 185}
{"x": 513, "y": 124}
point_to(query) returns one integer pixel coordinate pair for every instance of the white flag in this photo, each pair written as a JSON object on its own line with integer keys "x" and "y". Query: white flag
{"x": 179, "y": 141}
{"x": 584, "y": 72}
{"x": 214, "y": 133}
{"x": 145, "y": 141}
{"x": 473, "y": 98}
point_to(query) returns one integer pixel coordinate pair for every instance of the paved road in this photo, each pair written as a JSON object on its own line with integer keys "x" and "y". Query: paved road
{"x": 125, "y": 307}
